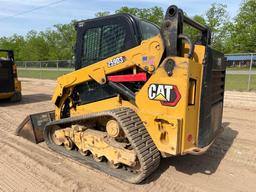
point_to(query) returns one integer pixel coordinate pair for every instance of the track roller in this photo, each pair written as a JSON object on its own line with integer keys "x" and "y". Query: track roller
{"x": 124, "y": 128}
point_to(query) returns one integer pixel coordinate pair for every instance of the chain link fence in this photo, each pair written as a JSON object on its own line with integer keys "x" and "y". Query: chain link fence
{"x": 241, "y": 70}
{"x": 44, "y": 69}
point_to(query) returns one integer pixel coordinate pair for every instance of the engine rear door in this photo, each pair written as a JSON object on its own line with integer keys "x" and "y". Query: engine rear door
{"x": 6, "y": 76}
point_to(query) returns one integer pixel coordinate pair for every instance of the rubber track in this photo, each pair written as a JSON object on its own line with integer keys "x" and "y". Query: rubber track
{"x": 147, "y": 153}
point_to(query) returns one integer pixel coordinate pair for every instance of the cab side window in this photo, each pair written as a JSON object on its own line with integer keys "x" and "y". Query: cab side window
{"x": 102, "y": 42}
{"x": 148, "y": 30}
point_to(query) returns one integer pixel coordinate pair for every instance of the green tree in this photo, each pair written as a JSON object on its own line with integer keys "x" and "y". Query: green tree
{"x": 243, "y": 34}
{"x": 217, "y": 19}
{"x": 57, "y": 43}
{"x": 154, "y": 14}
{"x": 102, "y": 14}
{"x": 16, "y": 43}
{"x": 192, "y": 33}
{"x": 60, "y": 41}
{"x": 36, "y": 47}
{"x": 52, "y": 44}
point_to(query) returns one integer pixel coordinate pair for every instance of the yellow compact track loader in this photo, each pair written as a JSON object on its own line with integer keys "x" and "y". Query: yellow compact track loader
{"x": 139, "y": 93}
{"x": 10, "y": 87}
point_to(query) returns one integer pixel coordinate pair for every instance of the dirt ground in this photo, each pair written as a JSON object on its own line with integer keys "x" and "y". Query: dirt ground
{"x": 229, "y": 165}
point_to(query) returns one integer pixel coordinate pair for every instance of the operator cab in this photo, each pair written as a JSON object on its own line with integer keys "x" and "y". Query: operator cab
{"x": 100, "y": 38}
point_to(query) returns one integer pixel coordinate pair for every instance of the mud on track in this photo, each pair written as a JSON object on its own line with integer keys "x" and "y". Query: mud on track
{"x": 229, "y": 165}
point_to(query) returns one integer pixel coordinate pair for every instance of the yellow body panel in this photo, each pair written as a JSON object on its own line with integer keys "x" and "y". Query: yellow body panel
{"x": 183, "y": 116}
{"x": 6, "y": 95}
{"x": 174, "y": 130}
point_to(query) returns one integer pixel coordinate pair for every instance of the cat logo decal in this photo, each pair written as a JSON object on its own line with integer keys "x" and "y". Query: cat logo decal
{"x": 168, "y": 95}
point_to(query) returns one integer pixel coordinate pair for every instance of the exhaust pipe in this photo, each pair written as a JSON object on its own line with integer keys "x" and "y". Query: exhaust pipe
{"x": 32, "y": 127}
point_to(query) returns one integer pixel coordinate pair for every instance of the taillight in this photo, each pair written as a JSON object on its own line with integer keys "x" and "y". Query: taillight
{"x": 14, "y": 71}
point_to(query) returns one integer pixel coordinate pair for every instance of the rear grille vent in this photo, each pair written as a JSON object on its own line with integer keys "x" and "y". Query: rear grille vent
{"x": 218, "y": 86}
{"x": 212, "y": 97}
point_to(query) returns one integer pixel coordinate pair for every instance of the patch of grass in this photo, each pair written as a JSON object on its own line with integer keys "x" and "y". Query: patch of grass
{"x": 233, "y": 82}
{"x": 240, "y": 68}
{"x": 41, "y": 74}
{"x": 240, "y": 82}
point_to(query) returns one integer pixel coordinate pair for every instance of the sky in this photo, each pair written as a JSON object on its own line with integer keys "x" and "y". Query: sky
{"x": 12, "y": 19}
